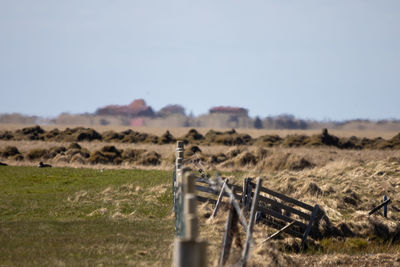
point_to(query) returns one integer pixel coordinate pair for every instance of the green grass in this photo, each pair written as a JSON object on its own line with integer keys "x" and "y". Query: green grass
{"x": 48, "y": 217}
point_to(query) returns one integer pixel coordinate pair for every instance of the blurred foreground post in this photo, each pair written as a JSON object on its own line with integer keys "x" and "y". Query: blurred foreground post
{"x": 188, "y": 249}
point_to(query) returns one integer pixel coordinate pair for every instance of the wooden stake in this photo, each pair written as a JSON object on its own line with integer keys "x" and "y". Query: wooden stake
{"x": 221, "y": 194}
{"x": 249, "y": 232}
{"x": 228, "y": 235}
{"x": 277, "y": 233}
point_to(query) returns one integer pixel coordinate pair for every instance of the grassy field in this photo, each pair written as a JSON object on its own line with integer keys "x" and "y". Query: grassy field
{"x": 80, "y": 214}
{"x": 81, "y": 217}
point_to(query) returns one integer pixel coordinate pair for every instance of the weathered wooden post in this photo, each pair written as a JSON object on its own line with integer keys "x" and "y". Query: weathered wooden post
{"x": 220, "y": 196}
{"x": 385, "y": 207}
{"x": 179, "y": 191}
{"x": 179, "y": 154}
{"x": 249, "y": 232}
{"x": 188, "y": 249}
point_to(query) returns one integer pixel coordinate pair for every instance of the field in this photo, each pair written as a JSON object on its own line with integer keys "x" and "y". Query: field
{"x": 81, "y": 217}
{"x": 118, "y": 210}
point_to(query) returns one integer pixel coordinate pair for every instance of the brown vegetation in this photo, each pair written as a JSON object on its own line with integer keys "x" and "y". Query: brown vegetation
{"x": 212, "y": 137}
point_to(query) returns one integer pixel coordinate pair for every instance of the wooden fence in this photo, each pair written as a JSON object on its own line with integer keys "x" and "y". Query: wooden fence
{"x": 278, "y": 209}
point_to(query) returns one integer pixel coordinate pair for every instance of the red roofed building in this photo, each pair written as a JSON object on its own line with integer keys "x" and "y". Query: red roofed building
{"x": 229, "y": 110}
{"x": 137, "y": 108}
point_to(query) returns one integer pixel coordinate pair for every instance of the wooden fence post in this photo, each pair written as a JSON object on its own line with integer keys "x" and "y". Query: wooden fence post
{"x": 308, "y": 229}
{"x": 244, "y": 193}
{"x": 179, "y": 191}
{"x": 249, "y": 232}
{"x": 188, "y": 250}
{"x": 228, "y": 234}
{"x": 221, "y": 194}
{"x": 248, "y": 195}
{"x": 385, "y": 207}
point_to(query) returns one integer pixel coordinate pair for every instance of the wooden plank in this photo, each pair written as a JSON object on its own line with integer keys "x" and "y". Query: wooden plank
{"x": 282, "y": 217}
{"x": 313, "y": 215}
{"x": 249, "y": 232}
{"x": 235, "y": 188}
{"x": 289, "y": 231}
{"x": 206, "y": 199}
{"x": 212, "y": 191}
{"x": 385, "y": 207}
{"x": 287, "y": 199}
{"x": 285, "y": 207}
{"x": 248, "y": 196}
{"x": 244, "y": 192}
{"x": 278, "y": 233}
{"x": 221, "y": 194}
{"x": 206, "y": 190}
{"x": 228, "y": 235}
{"x": 203, "y": 181}
{"x": 379, "y": 206}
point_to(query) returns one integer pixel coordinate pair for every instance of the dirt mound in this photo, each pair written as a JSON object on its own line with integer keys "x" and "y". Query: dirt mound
{"x": 85, "y": 134}
{"x": 191, "y": 151}
{"x": 150, "y": 159}
{"x": 246, "y": 158}
{"x": 111, "y": 136}
{"x": 74, "y": 146}
{"x": 78, "y": 159}
{"x": 167, "y": 138}
{"x": 295, "y": 140}
{"x": 72, "y": 151}
{"x": 132, "y": 155}
{"x": 107, "y": 155}
{"x": 9, "y": 151}
{"x": 312, "y": 189}
{"x": 269, "y": 140}
{"x": 54, "y": 151}
{"x": 217, "y": 159}
{"x": 6, "y": 135}
{"x": 285, "y": 161}
{"x": 193, "y": 136}
{"x": 97, "y": 157}
{"x": 323, "y": 139}
{"x": 229, "y": 138}
{"x": 37, "y": 153}
{"x": 30, "y": 133}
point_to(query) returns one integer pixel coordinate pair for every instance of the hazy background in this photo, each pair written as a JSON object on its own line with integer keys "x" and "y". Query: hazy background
{"x": 314, "y": 59}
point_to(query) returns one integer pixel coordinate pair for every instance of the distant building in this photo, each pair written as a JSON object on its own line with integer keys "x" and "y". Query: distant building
{"x": 136, "y": 122}
{"x": 171, "y": 110}
{"x": 137, "y": 108}
{"x": 229, "y": 110}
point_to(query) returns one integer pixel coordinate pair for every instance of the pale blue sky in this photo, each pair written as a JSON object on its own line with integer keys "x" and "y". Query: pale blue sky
{"x": 318, "y": 59}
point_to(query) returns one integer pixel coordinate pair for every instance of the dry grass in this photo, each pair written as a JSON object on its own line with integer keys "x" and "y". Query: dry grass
{"x": 346, "y": 185}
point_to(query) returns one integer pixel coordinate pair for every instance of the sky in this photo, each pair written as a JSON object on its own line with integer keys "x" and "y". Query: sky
{"x": 320, "y": 59}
